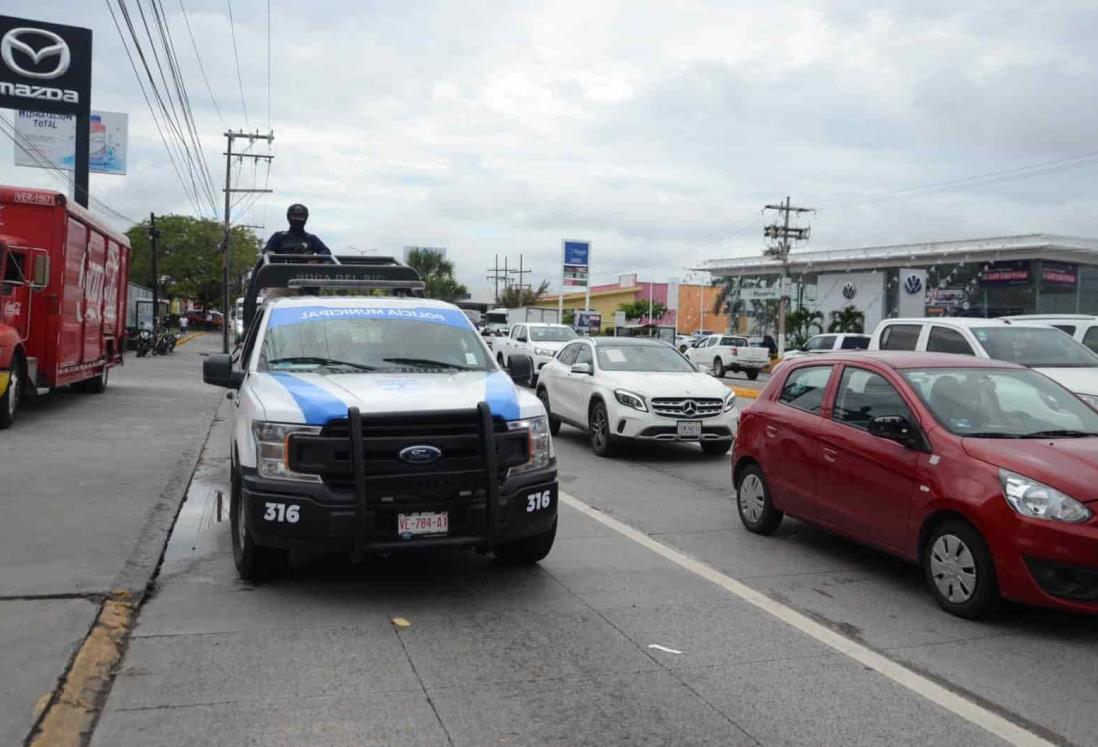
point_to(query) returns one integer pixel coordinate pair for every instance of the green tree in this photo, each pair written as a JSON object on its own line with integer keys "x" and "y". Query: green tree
{"x": 639, "y": 310}
{"x": 800, "y": 323}
{"x": 437, "y": 274}
{"x": 190, "y": 256}
{"x": 848, "y": 319}
{"x": 514, "y": 297}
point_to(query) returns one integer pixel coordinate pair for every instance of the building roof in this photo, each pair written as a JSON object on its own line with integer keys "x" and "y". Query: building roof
{"x": 1028, "y": 246}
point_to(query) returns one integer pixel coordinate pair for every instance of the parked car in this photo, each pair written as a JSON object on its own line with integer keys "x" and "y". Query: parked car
{"x": 720, "y": 354}
{"x": 1082, "y": 327}
{"x": 825, "y": 344}
{"x": 623, "y": 388}
{"x": 982, "y": 471}
{"x": 540, "y": 342}
{"x": 1033, "y": 345}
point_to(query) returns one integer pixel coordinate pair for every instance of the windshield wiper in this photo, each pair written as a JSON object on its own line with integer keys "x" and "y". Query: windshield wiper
{"x": 1063, "y": 433}
{"x": 990, "y": 434}
{"x": 426, "y": 362}
{"x": 322, "y": 362}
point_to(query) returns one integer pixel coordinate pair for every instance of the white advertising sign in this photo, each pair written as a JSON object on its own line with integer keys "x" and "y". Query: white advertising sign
{"x": 52, "y": 137}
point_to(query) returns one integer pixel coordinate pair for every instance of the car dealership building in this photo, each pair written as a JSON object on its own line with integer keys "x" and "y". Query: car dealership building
{"x": 1037, "y": 273}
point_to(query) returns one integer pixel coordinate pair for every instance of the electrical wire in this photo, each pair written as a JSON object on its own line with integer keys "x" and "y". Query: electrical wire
{"x": 201, "y": 67}
{"x": 268, "y": 65}
{"x": 236, "y": 56}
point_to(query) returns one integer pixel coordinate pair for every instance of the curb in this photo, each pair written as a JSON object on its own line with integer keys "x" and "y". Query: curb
{"x": 188, "y": 338}
{"x": 744, "y": 393}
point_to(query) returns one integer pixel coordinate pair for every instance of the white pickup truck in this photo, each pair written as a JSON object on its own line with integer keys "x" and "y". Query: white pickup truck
{"x": 538, "y": 341}
{"x": 722, "y": 353}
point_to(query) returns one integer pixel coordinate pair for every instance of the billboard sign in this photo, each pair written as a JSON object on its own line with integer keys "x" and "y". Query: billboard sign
{"x": 45, "y": 67}
{"x": 50, "y": 141}
{"x": 589, "y": 320}
{"x": 1059, "y": 274}
{"x": 1008, "y": 272}
{"x": 576, "y": 265}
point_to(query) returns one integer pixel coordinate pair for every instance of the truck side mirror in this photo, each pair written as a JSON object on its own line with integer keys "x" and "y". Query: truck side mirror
{"x": 520, "y": 367}
{"x": 218, "y": 370}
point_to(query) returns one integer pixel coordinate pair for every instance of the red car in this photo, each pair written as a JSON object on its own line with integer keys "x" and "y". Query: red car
{"x": 984, "y": 472}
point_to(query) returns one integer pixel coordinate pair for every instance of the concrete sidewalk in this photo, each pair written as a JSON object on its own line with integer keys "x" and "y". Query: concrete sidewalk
{"x": 89, "y": 485}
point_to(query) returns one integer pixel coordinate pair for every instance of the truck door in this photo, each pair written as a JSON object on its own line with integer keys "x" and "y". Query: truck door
{"x": 94, "y": 260}
{"x": 15, "y": 280}
{"x": 111, "y": 274}
{"x": 71, "y": 341}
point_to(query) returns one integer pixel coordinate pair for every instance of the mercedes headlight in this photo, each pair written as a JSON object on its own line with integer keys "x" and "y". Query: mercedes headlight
{"x": 272, "y": 454}
{"x": 730, "y": 402}
{"x": 630, "y": 399}
{"x": 541, "y": 444}
{"x": 1090, "y": 399}
{"x": 1038, "y": 501}
{"x": 545, "y": 352}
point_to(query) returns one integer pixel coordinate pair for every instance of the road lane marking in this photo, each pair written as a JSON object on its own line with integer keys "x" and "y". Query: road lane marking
{"x": 908, "y": 678}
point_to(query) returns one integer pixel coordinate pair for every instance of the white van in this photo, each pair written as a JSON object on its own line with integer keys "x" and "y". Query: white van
{"x": 1050, "y": 351}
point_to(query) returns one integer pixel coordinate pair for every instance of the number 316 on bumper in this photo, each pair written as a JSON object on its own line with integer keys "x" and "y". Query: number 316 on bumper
{"x": 539, "y": 500}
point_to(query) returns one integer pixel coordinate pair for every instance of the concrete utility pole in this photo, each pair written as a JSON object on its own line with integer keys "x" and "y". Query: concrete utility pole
{"x": 229, "y": 191}
{"x": 781, "y": 235}
{"x": 154, "y": 236}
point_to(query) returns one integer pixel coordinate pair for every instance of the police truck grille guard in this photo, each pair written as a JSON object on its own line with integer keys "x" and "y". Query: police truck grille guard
{"x": 361, "y": 454}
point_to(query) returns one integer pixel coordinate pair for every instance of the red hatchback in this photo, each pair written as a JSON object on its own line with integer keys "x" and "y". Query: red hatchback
{"x": 984, "y": 472}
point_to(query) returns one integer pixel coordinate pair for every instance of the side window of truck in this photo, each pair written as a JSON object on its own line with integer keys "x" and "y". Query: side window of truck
{"x": 900, "y": 336}
{"x": 14, "y": 268}
{"x": 519, "y": 333}
{"x": 249, "y": 341}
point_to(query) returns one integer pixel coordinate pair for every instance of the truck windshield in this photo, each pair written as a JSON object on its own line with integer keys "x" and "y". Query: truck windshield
{"x": 1035, "y": 347}
{"x": 372, "y": 345}
{"x": 552, "y": 334}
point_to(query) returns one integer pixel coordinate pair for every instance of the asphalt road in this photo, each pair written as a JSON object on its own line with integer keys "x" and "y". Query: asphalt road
{"x": 562, "y": 653}
{"x": 89, "y": 485}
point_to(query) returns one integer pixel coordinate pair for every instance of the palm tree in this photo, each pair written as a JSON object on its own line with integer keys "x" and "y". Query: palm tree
{"x": 515, "y": 296}
{"x": 799, "y": 324}
{"x": 848, "y": 319}
{"x": 437, "y": 274}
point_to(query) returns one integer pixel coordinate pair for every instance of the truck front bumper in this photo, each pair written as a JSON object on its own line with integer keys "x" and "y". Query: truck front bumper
{"x": 330, "y": 522}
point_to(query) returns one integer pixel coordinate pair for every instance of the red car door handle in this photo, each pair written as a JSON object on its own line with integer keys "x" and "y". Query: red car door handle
{"x": 830, "y": 454}
{"x": 771, "y": 431}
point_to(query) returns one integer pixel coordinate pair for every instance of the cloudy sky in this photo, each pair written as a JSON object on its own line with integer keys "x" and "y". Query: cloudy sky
{"x": 655, "y": 130}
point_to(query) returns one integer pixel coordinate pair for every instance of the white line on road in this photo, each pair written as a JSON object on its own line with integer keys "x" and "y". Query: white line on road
{"x": 898, "y": 673}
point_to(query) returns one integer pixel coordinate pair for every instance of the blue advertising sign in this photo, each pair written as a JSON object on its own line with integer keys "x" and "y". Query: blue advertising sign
{"x": 576, "y": 252}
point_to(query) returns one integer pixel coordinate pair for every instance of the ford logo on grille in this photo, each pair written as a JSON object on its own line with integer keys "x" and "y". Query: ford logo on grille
{"x": 420, "y": 454}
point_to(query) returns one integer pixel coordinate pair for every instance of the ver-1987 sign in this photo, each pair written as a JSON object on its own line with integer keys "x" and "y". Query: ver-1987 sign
{"x": 45, "y": 67}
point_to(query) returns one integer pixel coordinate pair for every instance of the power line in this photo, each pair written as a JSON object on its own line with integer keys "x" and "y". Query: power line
{"x": 236, "y": 55}
{"x": 268, "y": 64}
{"x": 201, "y": 67}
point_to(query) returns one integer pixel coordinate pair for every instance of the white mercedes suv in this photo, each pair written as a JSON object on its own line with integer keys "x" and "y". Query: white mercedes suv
{"x": 621, "y": 388}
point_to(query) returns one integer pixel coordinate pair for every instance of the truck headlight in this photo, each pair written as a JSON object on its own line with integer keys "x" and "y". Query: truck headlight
{"x": 1090, "y": 399}
{"x": 541, "y": 444}
{"x": 630, "y": 399}
{"x": 730, "y": 402}
{"x": 1038, "y": 501}
{"x": 272, "y": 455}
{"x": 546, "y": 352}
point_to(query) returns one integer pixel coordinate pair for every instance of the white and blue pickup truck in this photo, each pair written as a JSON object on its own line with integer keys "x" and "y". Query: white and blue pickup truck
{"x": 372, "y": 424}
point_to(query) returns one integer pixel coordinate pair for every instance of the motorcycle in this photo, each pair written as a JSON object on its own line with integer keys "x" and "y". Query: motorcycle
{"x": 165, "y": 342}
{"x": 144, "y": 343}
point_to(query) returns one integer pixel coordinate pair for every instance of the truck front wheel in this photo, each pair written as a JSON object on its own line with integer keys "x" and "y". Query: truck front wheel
{"x": 752, "y": 374}
{"x": 9, "y": 403}
{"x": 528, "y": 550}
{"x": 253, "y": 562}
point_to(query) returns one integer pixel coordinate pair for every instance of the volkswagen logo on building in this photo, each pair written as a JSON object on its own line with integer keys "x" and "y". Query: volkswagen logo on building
{"x": 913, "y": 284}
{"x": 689, "y": 408}
{"x": 849, "y": 291}
{"x": 15, "y": 41}
{"x": 420, "y": 454}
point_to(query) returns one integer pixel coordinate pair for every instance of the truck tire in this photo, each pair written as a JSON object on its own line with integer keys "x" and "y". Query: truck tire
{"x": 94, "y": 385}
{"x": 752, "y": 374}
{"x": 528, "y": 550}
{"x": 253, "y": 562}
{"x": 718, "y": 368}
{"x": 9, "y": 402}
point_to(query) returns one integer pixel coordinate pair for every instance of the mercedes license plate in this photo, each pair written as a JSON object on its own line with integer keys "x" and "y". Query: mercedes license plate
{"x": 422, "y": 523}
{"x": 689, "y": 428}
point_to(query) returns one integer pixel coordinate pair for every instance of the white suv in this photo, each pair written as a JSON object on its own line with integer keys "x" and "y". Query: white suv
{"x": 1036, "y": 346}
{"x": 1083, "y": 327}
{"x": 621, "y": 388}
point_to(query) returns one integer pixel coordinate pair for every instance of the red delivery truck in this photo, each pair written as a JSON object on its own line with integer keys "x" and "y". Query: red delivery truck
{"x": 62, "y": 296}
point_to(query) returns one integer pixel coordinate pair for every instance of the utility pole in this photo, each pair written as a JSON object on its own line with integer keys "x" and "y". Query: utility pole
{"x": 781, "y": 235}
{"x": 520, "y": 272}
{"x": 154, "y": 235}
{"x": 229, "y": 191}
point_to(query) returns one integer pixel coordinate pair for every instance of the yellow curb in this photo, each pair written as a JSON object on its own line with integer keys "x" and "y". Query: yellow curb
{"x": 188, "y": 338}
{"x": 4, "y": 376}
{"x": 742, "y": 393}
{"x": 69, "y": 719}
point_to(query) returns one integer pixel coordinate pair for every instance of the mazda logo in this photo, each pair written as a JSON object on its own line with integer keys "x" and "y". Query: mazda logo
{"x": 56, "y": 47}
{"x": 420, "y": 454}
{"x": 913, "y": 284}
{"x": 689, "y": 407}
{"x": 849, "y": 291}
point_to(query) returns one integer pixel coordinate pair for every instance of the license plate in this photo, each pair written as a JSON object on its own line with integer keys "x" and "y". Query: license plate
{"x": 689, "y": 428}
{"x": 425, "y": 522}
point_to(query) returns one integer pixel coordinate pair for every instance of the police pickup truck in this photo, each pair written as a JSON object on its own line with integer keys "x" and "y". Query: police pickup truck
{"x": 377, "y": 423}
